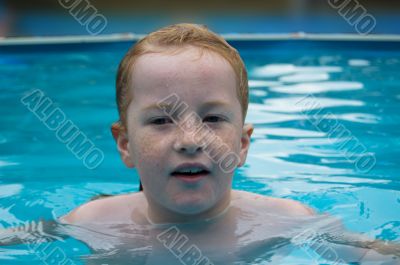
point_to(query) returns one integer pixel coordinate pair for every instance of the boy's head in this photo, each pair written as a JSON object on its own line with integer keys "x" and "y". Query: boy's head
{"x": 173, "y": 39}
{"x": 206, "y": 77}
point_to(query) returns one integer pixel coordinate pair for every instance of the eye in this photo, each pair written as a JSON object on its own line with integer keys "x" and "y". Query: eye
{"x": 161, "y": 121}
{"x": 213, "y": 118}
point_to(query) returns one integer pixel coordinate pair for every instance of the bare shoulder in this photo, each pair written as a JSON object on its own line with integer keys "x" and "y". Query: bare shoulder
{"x": 278, "y": 205}
{"x": 116, "y": 208}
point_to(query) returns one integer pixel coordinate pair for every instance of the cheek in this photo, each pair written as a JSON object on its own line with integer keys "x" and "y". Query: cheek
{"x": 231, "y": 137}
{"x": 148, "y": 149}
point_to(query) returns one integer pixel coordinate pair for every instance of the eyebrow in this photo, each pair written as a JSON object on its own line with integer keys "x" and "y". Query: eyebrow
{"x": 162, "y": 106}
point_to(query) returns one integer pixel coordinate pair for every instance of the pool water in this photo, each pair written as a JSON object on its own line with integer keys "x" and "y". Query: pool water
{"x": 326, "y": 119}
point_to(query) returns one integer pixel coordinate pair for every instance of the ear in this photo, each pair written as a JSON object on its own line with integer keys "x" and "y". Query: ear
{"x": 245, "y": 142}
{"x": 120, "y": 136}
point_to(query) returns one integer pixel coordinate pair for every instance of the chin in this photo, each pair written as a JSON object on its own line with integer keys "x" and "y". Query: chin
{"x": 191, "y": 204}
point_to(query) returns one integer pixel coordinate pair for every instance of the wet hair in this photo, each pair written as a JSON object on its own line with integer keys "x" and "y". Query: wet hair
{"x": 172, "y": 39}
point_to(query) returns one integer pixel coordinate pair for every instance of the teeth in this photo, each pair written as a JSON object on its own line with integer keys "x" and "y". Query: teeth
{"x": 190, "y": 170}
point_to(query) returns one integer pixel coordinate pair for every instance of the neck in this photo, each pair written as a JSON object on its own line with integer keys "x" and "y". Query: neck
{"x": 157, "y": 214}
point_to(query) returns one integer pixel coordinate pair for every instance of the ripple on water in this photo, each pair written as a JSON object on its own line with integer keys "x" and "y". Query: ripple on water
{"x": 263, "y": 83}
{"x": 276, "y": 70}
{"x": 10, "y": 190}
{"x": 291, "y": 132}
{"x": 261, "y": 115}
{"x": 318, "y": 87}
{"x": 302, "y": 104}
{"x": 258, "y": 93}
{"x": 306, "y": 77}
{"x": 359, "y": 118}
{"x": 358, "y": 62}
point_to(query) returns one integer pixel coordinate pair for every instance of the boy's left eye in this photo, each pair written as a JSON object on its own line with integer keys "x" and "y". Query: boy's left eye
{"x": 213, "y": 119}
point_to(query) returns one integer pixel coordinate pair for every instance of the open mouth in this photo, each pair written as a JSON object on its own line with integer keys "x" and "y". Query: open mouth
{"x": 190, "y": 173}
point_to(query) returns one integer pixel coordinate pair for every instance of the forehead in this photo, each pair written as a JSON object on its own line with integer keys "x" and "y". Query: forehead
{"x": 191, "y": 73}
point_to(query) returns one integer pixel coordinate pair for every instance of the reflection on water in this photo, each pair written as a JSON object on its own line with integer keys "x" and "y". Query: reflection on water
{"x": 253, "y": 238}
{"x": 317, "y": 87}
{"x": 290, "y": 156}
{"x": 280, "y": 70}
{"x": 296, "y": 104}
{"x": 294, "y": 158}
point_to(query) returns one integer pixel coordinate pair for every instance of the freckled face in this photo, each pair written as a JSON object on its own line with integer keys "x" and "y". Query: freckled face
{"x": 157, "y": 145}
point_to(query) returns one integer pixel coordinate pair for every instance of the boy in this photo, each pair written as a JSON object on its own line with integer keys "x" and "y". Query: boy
{"x": 182, "y": 95}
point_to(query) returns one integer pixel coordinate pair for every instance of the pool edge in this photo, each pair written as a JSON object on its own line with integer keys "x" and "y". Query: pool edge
{"x": 128, "y": 37}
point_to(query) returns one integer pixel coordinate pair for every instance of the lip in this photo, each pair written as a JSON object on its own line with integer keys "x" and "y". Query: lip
{"x": 191, "y": 178}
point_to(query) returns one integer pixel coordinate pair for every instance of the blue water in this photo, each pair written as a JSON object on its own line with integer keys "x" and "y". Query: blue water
{"x": 294, "y": 152}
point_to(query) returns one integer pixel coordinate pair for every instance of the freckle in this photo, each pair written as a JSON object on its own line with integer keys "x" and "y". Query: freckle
{"x": 142, "y": 145}
{"x": 147, "y": 146}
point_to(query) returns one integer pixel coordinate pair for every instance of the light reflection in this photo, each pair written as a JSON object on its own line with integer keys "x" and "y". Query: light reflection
{"x": 10, "y": 190}
{"x": 319, "y": 87}
{"x": 297, "y": 133}
{"x": 358, "y": 62}
{"x": 296, "y": 104}
{"x": 259, "y": 114}
{"x": 7, "y": 163}
{"x": 306, "y": 77}
{"x": 359, "y": 118}
{"x": 258, "y": 93}
{"x": 276, "y": 70}
{"x": 262, "y": 83}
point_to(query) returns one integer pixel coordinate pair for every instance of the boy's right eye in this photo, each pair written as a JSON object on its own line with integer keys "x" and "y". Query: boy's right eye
{"x": 161, "y": 121}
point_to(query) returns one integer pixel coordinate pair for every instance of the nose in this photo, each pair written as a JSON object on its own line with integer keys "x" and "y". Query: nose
{"x": 185, "y": 143}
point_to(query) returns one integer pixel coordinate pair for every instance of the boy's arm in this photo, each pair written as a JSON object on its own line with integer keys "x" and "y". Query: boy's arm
{"x": 370, "y": 249}
{"x": 327, "y": 236}
{"x": 336, "y": 242}
{"x": 30, "y": 232}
